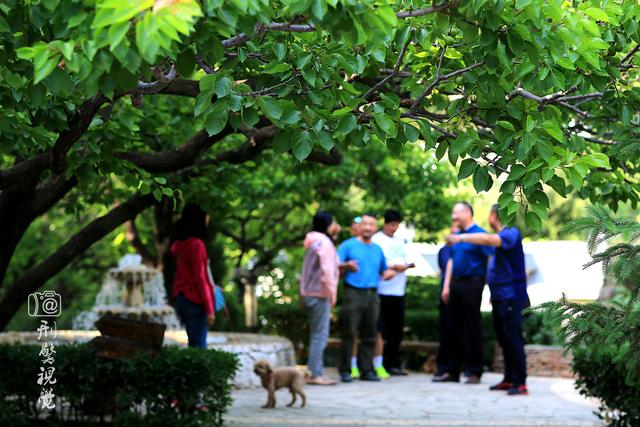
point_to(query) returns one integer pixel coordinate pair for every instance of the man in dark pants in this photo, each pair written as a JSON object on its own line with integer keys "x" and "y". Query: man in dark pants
{"x": 508, "y": 283}
{"x": 444, "y": 344}
{"x": 463, "y": 284}
{"x": 387, "y": 360}
{"x": 365, "y": 264}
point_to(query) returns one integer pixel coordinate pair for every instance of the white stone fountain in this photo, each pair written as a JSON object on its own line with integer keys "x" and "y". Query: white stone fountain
{"x": 135, "y": 291}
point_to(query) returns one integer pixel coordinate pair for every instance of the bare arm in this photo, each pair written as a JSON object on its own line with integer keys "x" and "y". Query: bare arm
{"x": 447, "y": 281}
{"x": 402, "y": 267}
{"x": 484, "y": 239}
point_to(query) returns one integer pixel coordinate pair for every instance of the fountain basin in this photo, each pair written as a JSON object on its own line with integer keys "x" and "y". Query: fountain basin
{"x": 249, "y": 348}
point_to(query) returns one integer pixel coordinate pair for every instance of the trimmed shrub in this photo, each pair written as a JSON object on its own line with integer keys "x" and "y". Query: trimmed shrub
{"x": 177, "y": 386}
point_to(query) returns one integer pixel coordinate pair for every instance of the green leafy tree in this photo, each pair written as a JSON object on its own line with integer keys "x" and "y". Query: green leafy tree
{"x": 540, "y": 91}
{"x": 604, "y": 336}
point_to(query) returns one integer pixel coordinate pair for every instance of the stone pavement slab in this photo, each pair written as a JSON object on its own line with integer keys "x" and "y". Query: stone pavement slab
{"x": 416, "y": 401}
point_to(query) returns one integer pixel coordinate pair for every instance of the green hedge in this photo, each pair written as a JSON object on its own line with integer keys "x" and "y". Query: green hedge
{"x": 172, "y": 387}
{"x": 607, "y": 380}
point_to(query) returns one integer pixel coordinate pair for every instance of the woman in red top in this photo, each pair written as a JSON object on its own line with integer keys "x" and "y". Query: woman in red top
{"x": 192, "y": 290}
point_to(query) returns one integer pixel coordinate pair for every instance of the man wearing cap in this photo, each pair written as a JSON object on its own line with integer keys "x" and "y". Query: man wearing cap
{"x": 508, "y": 283}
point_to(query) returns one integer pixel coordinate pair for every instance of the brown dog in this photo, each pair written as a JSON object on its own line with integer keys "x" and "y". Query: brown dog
{"x": 275, "y": 379}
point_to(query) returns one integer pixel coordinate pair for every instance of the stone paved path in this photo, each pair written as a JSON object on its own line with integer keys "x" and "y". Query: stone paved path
{"x": 416, "y": 401}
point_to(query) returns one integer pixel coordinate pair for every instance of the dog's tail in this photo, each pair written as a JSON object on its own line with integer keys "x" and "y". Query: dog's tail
{"x": 305, "y": 371}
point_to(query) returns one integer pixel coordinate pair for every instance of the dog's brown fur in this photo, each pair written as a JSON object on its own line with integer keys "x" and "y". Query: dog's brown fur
{"x": 275, "y": 379}
{"x": 430, "y": 366}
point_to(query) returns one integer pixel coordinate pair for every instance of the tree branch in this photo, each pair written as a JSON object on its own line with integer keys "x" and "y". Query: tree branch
{"x": 440, "y": 78}
{"x": 559, "y": 98}
{"x": 38, "y": 274}
{"x": 393, "y": 73}
{"x": 308, "y": 28}
{"x": 133, "y": 237}
{"x": 427, "y": 10}
{"x": 55, "y": 157}
{"x": 176, "y": 158}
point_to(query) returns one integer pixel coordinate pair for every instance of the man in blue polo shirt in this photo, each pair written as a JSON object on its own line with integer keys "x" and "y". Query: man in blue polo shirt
{"x": 364, "y": 264}
{"x": 463, "y": 284}
{"x": 508, "y": 283}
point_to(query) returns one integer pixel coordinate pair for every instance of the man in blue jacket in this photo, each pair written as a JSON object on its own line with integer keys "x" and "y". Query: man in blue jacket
{"x": 508, "y": 283}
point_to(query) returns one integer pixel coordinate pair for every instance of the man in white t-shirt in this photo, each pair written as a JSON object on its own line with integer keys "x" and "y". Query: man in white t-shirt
{"x": 391, "y": 292}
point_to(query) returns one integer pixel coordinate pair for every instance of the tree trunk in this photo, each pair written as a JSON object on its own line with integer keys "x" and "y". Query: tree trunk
{"x": 163, "y": 216}
{"x": 36, "y": 276}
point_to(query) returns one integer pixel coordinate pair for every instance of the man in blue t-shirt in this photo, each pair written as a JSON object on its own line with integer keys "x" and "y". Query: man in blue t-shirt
{"x": 463, "y": 284}
{"x": 508, "y": 283}
{"x": 364, "y": 264}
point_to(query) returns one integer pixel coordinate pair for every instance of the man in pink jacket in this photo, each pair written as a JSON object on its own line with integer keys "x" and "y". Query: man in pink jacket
{"x": 318, "y": 288}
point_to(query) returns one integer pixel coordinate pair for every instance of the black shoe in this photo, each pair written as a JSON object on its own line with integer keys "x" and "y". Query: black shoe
{"x": 369, "y": 376}
{"x": 446, "y": 378}
{"x": 345, "y": 377}
{"x": 396, "y": 371}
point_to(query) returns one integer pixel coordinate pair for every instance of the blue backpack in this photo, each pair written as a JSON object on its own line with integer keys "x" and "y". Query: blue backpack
{"x": 219, "y": 298}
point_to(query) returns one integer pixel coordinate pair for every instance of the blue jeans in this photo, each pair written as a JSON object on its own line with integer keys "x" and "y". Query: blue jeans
{"x": 319, "y": 310}
{"x": 194, "y": 318}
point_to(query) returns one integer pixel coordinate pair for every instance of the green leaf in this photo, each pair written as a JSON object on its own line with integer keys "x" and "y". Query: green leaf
{"x": 411, "y": 132}
{"x": 502, "y": 55}
{"x": 345, "y": 125}
{"x": 461, "y": 144}
{"x": 223, "y": 86}
{"x": 598, "y": 160}
{"x": 276, "y": 67}
{"x": 117, "y": 33}
{"x": 506, "y": 125}
{"x": 531, "y": 124}
{"x": 544, "y": 148}
{"x": 216, "y": 120}
{"x": 481, "y": 179}
{"x": 558, "y": 185}
{"x": 270, "y": 107}
{"x": 597, "y": 14}
{"x": 42, "y": 70}
{"x": 325, "y": 140}
{"x": 554, "y": 130}
{"x": 202, "y": 102}
{"x": 319, "y": 9}
{"x": 517, "y": 171}
{"x": 467, "y": 167}
{"x": 208, "y": 83}
{"x": 386, "y": 124}
{"x": 533, "y": 221}
{"x": 280, "y": 49}
{"x": 302, "y": 145}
